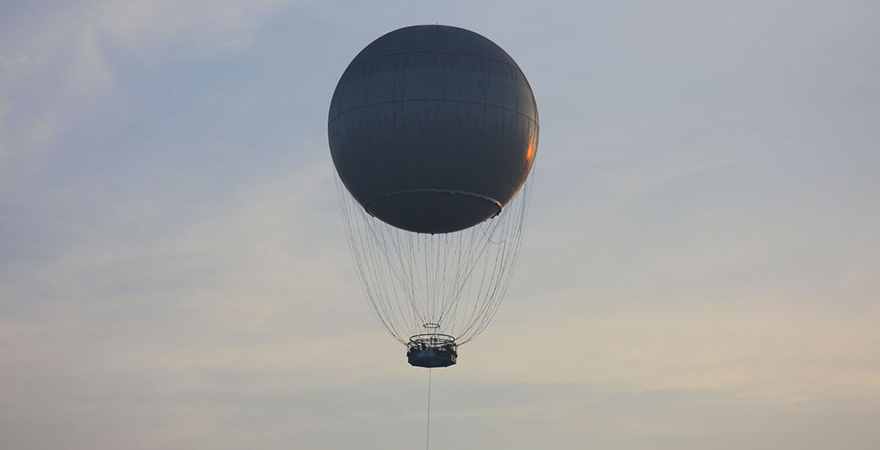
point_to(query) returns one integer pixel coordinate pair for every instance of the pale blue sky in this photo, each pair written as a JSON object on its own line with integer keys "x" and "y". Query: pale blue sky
{"x": 701, "y": 268}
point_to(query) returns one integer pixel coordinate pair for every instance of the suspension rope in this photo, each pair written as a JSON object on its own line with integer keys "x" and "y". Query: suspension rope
{"x": 455, "y": 279}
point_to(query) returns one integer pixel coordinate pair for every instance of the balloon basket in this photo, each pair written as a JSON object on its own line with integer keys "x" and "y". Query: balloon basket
{"x": 432, "y": 350}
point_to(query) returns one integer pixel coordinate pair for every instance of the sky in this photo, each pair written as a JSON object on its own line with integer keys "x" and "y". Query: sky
{"x": 701, "y": 265}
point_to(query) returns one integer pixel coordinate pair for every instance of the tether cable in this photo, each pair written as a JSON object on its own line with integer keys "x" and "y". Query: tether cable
{"x": 428, "y": 432}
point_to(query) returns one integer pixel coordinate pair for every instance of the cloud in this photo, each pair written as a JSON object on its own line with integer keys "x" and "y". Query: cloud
{"x": 170, "y": 303}
{"x": 774, "y": 356}
{"x": 61, "y": 72}
{"x": 700, "y": 261}
{"x": 55, "y": 73}
{"x": 157, "y": 31}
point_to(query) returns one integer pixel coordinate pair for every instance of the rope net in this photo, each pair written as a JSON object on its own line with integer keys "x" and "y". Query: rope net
{"x": 453, "y": 282}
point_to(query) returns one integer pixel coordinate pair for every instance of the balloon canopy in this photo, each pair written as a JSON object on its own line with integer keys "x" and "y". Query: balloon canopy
{"x": 433, "y": 129}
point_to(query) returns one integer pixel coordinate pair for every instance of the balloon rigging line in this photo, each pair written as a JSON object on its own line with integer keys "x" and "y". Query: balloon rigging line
{"x": 456, "y": 280}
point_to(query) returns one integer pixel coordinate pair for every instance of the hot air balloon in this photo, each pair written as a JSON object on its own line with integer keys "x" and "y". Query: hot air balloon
{"x": 433, "y": 132}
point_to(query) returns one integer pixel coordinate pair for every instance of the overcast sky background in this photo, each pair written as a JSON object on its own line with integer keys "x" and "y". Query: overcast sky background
{"x": 701, "y": 267}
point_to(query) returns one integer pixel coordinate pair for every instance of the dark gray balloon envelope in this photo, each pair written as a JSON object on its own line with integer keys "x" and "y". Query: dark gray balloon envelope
{"x": 433, "y": 129}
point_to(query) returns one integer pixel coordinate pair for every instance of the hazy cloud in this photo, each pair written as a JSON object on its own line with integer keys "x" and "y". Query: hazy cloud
{"x": 699, "y": 269}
